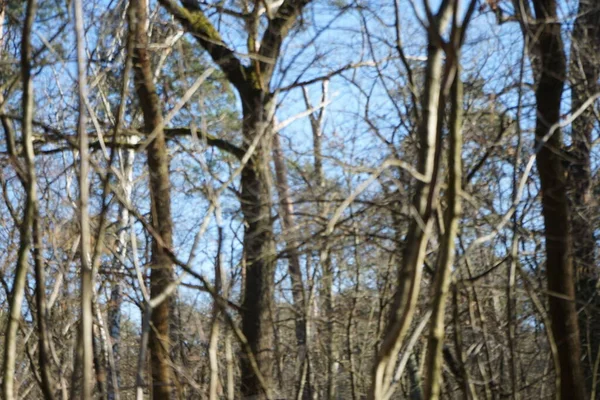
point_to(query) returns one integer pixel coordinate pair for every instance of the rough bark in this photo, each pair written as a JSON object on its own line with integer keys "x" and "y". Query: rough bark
{"x": 555, "y": 207}
{"x": 160, "y": 203}
{"x": 259, "y": 249}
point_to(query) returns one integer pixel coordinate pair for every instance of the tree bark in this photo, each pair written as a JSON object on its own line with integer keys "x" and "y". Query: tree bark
{"x": 215, "y": 329}
{"x": 87, "y": 284}
{"x": 160, "y": 202}
{"x": 259, "y": 248}
{"x": 555, "y": 207}
{"x": 584, "y": 73}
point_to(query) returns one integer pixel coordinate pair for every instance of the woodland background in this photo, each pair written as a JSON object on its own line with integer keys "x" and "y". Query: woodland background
{"x": 296, "y": 199}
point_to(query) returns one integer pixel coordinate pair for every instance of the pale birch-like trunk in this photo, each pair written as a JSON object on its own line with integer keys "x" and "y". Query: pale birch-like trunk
{"x": 441, "y": 285}
{"x": 126, "y": 158}
{"x": 87, "y": 289}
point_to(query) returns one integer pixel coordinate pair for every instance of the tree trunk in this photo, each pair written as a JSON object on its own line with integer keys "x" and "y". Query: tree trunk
{"x": 29, "y": 181}
{"x": 555, "y": 208}
{"x": 259, "y": 248}
{"x": 160, "y": 203}
{"x": 433, "y": 378}
{"x": 288, "y": 222}
{"x": 409, "y": 272}
{"x": 114, "y": 313}
{"x": 253, "y": 85}
{"x": 87, "y": 280}
{"x": 584, "y": 73}
{"x": 215, "y": 329}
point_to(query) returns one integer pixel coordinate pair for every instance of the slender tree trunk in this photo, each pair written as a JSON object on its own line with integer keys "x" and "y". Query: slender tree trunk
{"x": 114, "y": 313}
{"x": 18, "y": 287}
{"x": 286, "y": 209}
{"x": 441, "y": 283}
{"x": 99, "y": 359}
{"x": 555, "y": 208}
{"x": 215, "y": 328}
{"x": 584, "y": 73}
{"x": 409, "y": 273}
{"x": 230, "y": 366}
{"x": 316, "y": 123}
{"x": 433, "y": 369}
{"x": 160, "y": 202}
{"x": 42, "y": 309}
{"x": 87, "y": 284}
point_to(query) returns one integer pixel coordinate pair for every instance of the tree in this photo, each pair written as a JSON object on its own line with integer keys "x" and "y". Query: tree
{"x": 583, "y": 75}
{"x": 201, "y": 228}
{"x": 160, "y": 202}
{"x": 252, "y": 83}
{"x": 550, "y": 71}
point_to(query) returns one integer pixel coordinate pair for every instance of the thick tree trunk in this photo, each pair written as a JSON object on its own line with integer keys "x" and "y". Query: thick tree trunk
{"x": 253, "y": 85}
{"x": 555, "y": 208}
{"x": 259, "y": 249}
{"x": 584, "y": 73}
{"x": 160, "y": 202}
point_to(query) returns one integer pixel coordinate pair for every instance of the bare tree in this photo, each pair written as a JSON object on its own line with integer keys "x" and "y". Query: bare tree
{"x": 584, "y": 73}
{"x": 252, "y": 83}
{"x": 160, "y": 199}
{"x": 417, "y": 238}
{"x": 29, "y": 183}
{"x": 550, "y": 69}
{"x": 441, "y": 283}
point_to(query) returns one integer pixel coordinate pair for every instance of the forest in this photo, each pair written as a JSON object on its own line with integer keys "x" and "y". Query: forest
{"x": 299, "y": 199}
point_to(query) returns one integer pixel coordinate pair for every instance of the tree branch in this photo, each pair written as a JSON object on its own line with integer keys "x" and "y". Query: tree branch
{"x": 276, "y": 31}
{"x": 196, "y": 23}
{"x": 211, "y": 140}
